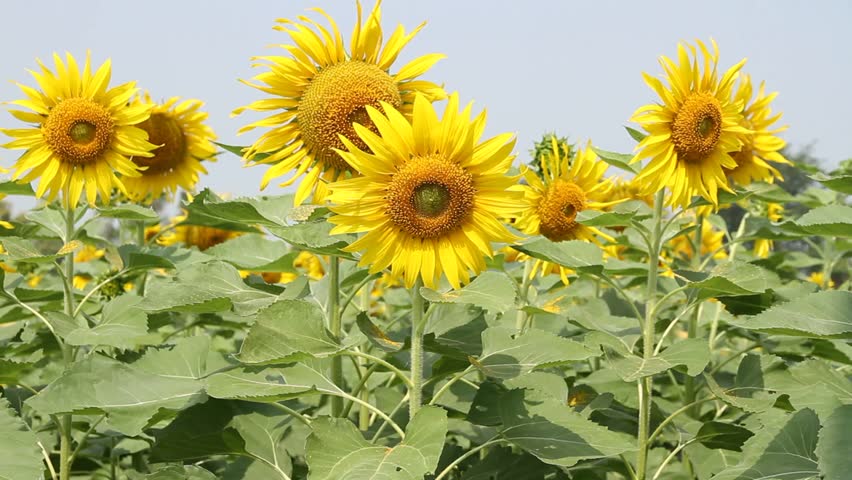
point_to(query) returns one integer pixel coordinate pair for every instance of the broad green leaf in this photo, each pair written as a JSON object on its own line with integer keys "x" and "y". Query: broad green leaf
{"x": 376, "y": 335}
{"x": 830, "y": 220}
{"x": 619, "y": 160}
{"x": 503, "y": 463}
{"x": 812, "y": 384}
{"x": 782, "y": 449}
{"x": 635, "y": 134}
{"x": 135, "y": 258}
{"x": 832, "y": 449}
{"x": 271, "y": 384}
{"x": 749, "y": 391}
{"x": 255, "y": 253}
{"x": 206, "y": 287}
{"x": 492, "y": 291}
{"x": 555, "y": 433}
{"x": 24, "y": 250}
{"x": 123, "y": 325}
{"x": 694, "y": 354}
{"x": 724, "y": 436}
{"x": 576, "y": 254}
{"x": 824, "y": 314}
{"x": 286, "y": 331}
{"x": 316, "y": 237}
{"x": 16, "y": 188}
{"x": 129, "y": 212}
{"x": 51, "y": 219}
{"x": 186, "y": 358}
{"x": 841, "y": 182}
{"x": 595, "y": 218}
{"x": 181, "y": 472}
{"x": 336, "y": 450}
{"x": 507, "y": 354}
{"x": 239, "y": 214}
{"x": 128, "y": 396}
{"x": 735, "y": 278}
{"x": 20, "y": 458}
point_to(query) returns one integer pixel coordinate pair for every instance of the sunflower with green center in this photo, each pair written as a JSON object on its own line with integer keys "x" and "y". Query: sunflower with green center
{"x": 84, "y": 132}
{"x": 692, "y": 133}
{"x": 567, "y": 186}
{"x": 761, "y": 146}
{"x": 183, "y": 141}
{"x": 431, "y": 193}
{"x": 321, "y": 90}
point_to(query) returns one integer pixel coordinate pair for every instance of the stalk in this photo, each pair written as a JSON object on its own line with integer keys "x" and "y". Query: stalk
{"x": 65, "y": 421}
{"x": 692, "y": 329}
{"x": 415, "y": 398}
{"x": 521, "y": 316}
{"x": 335, "y": 326}
{"x": 363, "y": 412}
{"x": 645, "y": 384}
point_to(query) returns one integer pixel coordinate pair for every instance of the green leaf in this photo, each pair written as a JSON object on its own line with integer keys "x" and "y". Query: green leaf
{"x": 822, "y": 314}
{"x": 206, "y": 287}
{"x": 840, "y": 182}
{"x": 134, "y": 258}
{"x": 812, "y": 384}
{"x": 128, "y": 396}
{"x": 618, "y": 160}
{"x": 507, "y": 354}
{"x": 129, "y": 212}
{"x": 576, "y": 254}
{"x": 595, "y": 218}
{"x": 635, "y": 134}
{"x": 336, "y": 450}
{"x": 181, "y": 472}
{"x": 51, "y": 219}
{"x": 492, "y": 291}
{"x": 24, "y": 250}
{"x": 123, "y": 325}
{"x": 832, "y": 449}
{"x": 271, "y": 384}
{"x": 286, "y": 331}
{"x": 20, "y": 458}
{"x": 692, "y": 353}
{"x": 735, "y": 278}
{"x": 255, "y": 253}
{"x": 316, "y": 237}
{"x": 782, "y": 449}
{"x": 239, "y": 214}
{"x": 749, "y": 391}
{"x": 376, "y": 335}
{"x": 186, "y": 358}
{"x": 554, "y": 432}
{"x": 726, "y": 436}
{"x": 16, "y": 188}
{"x": 829, "y": 220}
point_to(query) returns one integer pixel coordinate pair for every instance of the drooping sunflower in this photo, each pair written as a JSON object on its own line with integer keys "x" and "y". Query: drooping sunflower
{"x": 567, "y": 187}
{"x": 431, "y": 194}
{"x": 183, "y": 141}
{"x": 321, "y": 89}
{"x": 84, "y": 132}
{"x": 692, "y": 133}
{"x": 761, "y": 146}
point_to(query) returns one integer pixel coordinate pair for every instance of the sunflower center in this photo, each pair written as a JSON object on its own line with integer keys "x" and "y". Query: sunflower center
{"x": 430, "y": 196}
{"x": 163, "y": 130}
{"x": 558, "y": 210}
{"x": 336, "y": 98}
{"x": 697, "y": 127}
{"x": 78, "y": 130}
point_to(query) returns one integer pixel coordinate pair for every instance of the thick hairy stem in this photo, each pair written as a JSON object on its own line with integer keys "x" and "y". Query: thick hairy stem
{"x": 692, "y": 329}
{"x": 521, "y": 316}
{"x": 415, "y": 398}
{"x": 65, "y": 422}
{"x": 645, "y": 384}
{"x": 334, "y": 325}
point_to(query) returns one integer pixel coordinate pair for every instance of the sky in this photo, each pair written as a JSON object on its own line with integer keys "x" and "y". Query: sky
{"x": 536, "y": 66}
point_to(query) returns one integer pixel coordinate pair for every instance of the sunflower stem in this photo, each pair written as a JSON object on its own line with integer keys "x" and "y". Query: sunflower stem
{"x": 692, "y": 328}
{"x": 521, "y": 316}
{"x": 363, "y": 412}
{"x": 335, "y": 326}
{"x": 415, "y": 399}
{"x": 645, "y": 384}
{"x": 65, "y": 421}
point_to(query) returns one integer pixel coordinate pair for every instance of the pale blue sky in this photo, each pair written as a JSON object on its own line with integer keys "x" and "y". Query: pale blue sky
{"x": 572, "y": 67}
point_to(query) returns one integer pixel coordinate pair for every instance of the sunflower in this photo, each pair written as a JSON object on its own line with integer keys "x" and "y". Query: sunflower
{"x": 763, "y": 246}
{"x": 177, "y": 127}
{"x": 200, "y": 236}
{"x": 321, "y": 89}
{"x": 693, "y": 131}
{"x": 761, "y": 146}
{"x": 431, "y": 194}
{"x": 84, "y": 132}
{"x": 564, "y": 190}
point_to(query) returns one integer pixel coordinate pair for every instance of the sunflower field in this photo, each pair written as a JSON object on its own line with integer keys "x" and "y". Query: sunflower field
{"x": 414, "y": 299}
